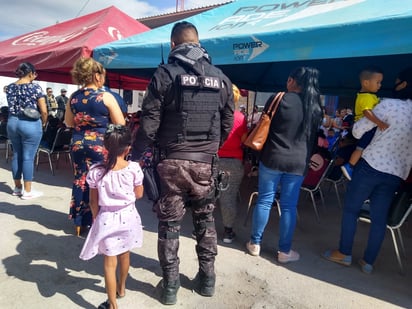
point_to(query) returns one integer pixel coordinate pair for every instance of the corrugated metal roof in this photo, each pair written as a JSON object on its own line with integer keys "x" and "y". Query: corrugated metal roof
{"x": 164, "y": 19}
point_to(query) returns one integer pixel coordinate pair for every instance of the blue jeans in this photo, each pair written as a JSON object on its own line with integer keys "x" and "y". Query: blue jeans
{"x": 380, "y": 188}
{"x": 25, "y": 136}
{"x": 289, "y": 194}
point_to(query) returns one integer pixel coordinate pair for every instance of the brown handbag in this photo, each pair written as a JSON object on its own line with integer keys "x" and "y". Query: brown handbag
{"x": 257, "y": 137}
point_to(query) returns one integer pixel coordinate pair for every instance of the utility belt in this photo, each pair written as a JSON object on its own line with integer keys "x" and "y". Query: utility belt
{"x": 190, "y": 156}
{"x": 220, "y": 178}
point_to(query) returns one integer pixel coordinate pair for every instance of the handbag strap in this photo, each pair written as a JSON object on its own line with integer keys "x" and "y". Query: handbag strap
{"x": 275, "y": 104}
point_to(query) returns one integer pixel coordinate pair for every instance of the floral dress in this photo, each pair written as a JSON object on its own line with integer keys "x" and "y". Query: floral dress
{"x": 90, "y": 122}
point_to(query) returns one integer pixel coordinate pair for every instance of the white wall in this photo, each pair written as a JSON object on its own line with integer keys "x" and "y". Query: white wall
{"x": 55, "y": 86}
{"x": 137, "y": 95}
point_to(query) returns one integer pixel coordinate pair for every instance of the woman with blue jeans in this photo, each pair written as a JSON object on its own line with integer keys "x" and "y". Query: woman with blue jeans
{"x": 284, "y": 159}
{"x": 25, "y": 133}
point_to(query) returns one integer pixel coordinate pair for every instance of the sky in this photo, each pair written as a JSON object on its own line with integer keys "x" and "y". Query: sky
{"x": 18, "y": 17}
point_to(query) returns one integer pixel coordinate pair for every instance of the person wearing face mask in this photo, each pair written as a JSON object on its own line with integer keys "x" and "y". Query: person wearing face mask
{"x": 384, "y": 164}
{"x": 187, "y": 113}
{"x": 61, "y": 100}
{"x": 51, "y": 102}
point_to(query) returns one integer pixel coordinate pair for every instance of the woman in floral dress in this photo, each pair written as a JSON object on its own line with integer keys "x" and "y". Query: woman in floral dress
{"x": 89, "y": 111}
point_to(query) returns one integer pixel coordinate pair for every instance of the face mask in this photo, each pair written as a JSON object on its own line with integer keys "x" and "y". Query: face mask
{"x": 404, "y": 93}
{"x": 394, "y": 91}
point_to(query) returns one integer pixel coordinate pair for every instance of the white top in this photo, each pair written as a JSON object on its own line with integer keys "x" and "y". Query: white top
{"x": 3, "y": 99}
{"x": 390, "y": 151}
{"x": 116, "y": 188}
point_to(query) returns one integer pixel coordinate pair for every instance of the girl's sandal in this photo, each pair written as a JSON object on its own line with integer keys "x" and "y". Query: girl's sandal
{"x": 118, "y": 293}
{"x": 105, "y": 305}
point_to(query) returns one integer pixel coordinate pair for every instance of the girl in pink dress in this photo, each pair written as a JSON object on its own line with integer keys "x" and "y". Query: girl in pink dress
{"x": 115, "y": 184}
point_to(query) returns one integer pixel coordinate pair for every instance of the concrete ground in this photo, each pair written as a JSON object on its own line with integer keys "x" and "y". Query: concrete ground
{"x": 40, "y": 267}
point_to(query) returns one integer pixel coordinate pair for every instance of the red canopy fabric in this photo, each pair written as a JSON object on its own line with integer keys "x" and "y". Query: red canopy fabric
{"x": 53, "y": 50}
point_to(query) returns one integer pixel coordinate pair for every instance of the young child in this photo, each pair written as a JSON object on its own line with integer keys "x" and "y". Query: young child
{"x": 366, "y": 99}
{"x": 331, "y": 138}
{"x": 115, "y": 184}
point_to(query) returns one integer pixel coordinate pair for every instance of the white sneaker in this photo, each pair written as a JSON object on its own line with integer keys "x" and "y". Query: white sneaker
{"x": 292, "y": 256}
{"x": 17, "y": 191}
{"x": 32, "y": 194}
{"x": 253, "y": 249}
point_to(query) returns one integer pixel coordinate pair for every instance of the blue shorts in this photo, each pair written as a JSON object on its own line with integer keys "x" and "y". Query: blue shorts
{"x": 366, "y": 138}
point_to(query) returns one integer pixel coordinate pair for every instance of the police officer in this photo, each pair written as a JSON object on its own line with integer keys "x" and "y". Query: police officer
{"x": 188, "y": 112}
{"x": 51, "y": 102}
{"x": 61, "y": 100}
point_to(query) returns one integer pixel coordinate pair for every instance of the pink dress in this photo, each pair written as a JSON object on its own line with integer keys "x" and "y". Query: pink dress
{"x": 117, "y": 227}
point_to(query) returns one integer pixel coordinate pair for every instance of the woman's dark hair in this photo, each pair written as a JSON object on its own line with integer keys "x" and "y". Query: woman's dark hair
{"x": 307, "y": 79}
{"x": 405, "y": 93}
{"x": 24, "y": 68}
{"x": 116, "y": 140}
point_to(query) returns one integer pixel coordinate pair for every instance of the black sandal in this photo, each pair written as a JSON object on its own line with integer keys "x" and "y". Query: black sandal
{"x": 120, "y": 296}
{"x": 105, "y": 305}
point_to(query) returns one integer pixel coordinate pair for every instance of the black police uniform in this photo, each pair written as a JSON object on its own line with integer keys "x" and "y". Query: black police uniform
{"x": 188, "y": 112}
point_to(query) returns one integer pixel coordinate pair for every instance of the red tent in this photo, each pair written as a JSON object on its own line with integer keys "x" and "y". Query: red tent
{"x": 53, "y": 50}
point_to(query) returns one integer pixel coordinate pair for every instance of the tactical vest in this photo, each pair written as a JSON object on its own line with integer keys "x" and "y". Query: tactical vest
{"x": 53, "y": 103}
{"x": 194, "y": 112}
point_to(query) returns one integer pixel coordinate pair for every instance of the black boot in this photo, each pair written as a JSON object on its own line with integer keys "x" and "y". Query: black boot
{"x": 167, "y": 247}
{"x": 169, "y": 290}
{"x": 204, "y": 284}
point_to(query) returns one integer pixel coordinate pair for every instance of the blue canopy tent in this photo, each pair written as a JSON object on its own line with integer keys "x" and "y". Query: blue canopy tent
{"x": 257, "y": 43}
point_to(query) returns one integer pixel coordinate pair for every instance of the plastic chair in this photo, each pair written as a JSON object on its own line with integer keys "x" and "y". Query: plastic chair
{"x": 336, "y": 183}
{"x": 7, "y": 146}
{"x": 9, "y": 149}
{"x": 60, "y": 145}
{"x": 4, "y": 139}
{"x": 312, "y": 186}
{"x": 252, "y": 200}
{"x": 331, "y": 177}
{"x": 400, "y": 209}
